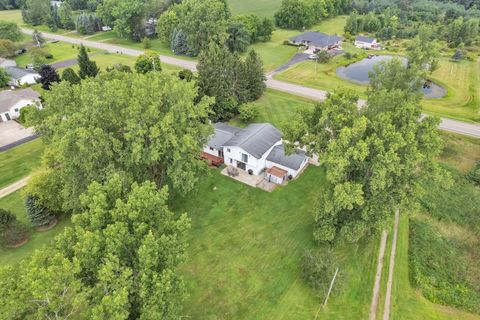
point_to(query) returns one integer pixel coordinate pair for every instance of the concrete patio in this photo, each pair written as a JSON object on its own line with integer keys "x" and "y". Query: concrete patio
{"x": 251, "y": 180}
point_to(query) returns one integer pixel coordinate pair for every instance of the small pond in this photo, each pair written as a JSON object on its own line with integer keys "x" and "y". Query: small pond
{"x": 358, "y": 72}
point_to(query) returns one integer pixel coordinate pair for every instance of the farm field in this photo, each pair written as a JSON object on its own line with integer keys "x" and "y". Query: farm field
{"x": 20, "y": 161}
{"x": 262, "y": 8}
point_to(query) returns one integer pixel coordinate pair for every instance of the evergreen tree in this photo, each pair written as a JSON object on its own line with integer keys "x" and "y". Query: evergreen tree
{"x": 38, "y": 215}
{"x": 88, "y": 68}
{"x": 216, "y": 78}
{"x": 255, "y": 76}
{"x": 71, "y": 76}
{"x": 179, "y": 43}
{"x": 48, "y": 75}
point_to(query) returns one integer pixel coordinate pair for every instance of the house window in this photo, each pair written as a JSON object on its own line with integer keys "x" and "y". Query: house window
{"x": 231, "y": 161}
{"x": 244, "y": 157}
{"x": 211, "y": 148}
{"x": 228, "y": 149}
{"x": 16, "y": 109}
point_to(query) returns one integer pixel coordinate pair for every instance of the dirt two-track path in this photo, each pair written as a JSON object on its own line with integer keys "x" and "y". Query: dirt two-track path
{"x": 378, "y": 275}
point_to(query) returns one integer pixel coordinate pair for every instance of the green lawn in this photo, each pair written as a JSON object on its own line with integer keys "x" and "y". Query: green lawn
{"x": 262, "y": 8}
{"x": 12, "y": 16}
{"x": 462, "y": 81}
{"x": 19, "y": 162}
{"x": 105, "y": 60}
{"x": 15, "y": 203}
{"x": 60, "y": 50}
{"x": 245, "y": 253}
{"x": 277, "y": 107}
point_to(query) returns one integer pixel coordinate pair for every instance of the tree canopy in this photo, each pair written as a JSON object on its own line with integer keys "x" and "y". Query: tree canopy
{"x": 148, "y": 126}
{"x": 118, "y": 260}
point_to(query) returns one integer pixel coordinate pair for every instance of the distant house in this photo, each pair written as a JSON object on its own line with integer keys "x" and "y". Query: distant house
{"x": 56, "y": 4}
{"x": 5, "y": 63}
{"x": 22, "y": 76}
{"x": 256, "y": 149}
{"x": 315, "y": 41}
{"x": 12, "y": 101}
{"x": 364, "y": 42}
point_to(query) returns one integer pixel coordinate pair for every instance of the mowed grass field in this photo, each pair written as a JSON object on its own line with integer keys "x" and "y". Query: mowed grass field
{"x": 12, "y": 16}
{"x": 246, "y": 248}
{"x": 20, "y": 161}
{"x": 462, "y": 81}
{"x": 262, "y": 8}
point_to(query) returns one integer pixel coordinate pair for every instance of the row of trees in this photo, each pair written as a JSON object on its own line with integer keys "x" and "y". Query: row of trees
{"x": 38, "y": 12}
{"x": 190, "y": 26}
{"x": 297, "y": 14}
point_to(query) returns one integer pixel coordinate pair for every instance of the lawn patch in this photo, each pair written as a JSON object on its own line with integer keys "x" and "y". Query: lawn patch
{"x": 16, "y": 204}
{"x": 20, "y": 161}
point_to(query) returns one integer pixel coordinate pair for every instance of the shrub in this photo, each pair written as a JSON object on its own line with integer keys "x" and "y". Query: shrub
{"x": 71, "y": 76}
{"x": 474, "y": 174}
{"x": 146, "y": 43}
{"x": 323, "y": 56}
{"x": 186, "y": 75}
{"x": 318, "y": 269}
{"x": 26, "y": 114}
{"x": 248, "y": 112}
{"x": 38, "y": 215}
{"x": 12, "y": 232}
{"x": 439, "y": 266}
{"x": 348, "y": 55}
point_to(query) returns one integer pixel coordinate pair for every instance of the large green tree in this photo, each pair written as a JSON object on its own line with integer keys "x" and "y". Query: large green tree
{"x": 117, "y": 261}
{"x": 378, "y": 157}
{"x": 125, "y": 16}
{"x": 148, "y": 126}
{"x": 424, "y": 51}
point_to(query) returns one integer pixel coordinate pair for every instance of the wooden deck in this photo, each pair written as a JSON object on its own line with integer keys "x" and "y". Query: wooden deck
{"x": 212, "y": 160}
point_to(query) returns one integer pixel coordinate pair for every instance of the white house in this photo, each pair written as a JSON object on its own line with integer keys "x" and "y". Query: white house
{"x": 364, "y": 42}
{"x": 315, "y": 41}
{"x": 256, "y": 149}
{"x": 20, "y": 76}
{"x": 12, "y": 101}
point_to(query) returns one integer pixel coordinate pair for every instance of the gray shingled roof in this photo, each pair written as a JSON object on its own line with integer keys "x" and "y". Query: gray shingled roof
{"x": 17, "y": 73}
{"x": 364, "y": 39}
{"x": 293, "y": 161}
{"x": 317, "y": 39}
{"x": 9, "y": 98}
{"x": 256, "y": 139}
{"x": 223, "y": 133}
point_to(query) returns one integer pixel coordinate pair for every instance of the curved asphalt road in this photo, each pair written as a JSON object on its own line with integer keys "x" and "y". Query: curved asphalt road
{"x": 310, "y": 93}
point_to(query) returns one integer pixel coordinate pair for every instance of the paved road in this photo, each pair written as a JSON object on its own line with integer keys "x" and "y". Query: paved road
{"x": 14, "y": 187}
{"x": 314, "y": 94}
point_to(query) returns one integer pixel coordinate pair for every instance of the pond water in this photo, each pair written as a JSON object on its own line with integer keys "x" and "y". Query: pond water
{"x": 358, "y": 72}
